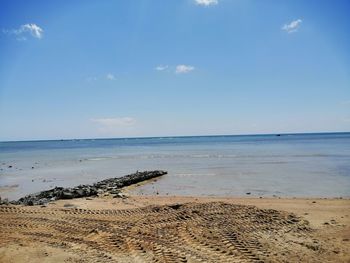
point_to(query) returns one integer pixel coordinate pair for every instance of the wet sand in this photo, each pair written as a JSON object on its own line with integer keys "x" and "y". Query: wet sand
{"x": 177, "y": 229}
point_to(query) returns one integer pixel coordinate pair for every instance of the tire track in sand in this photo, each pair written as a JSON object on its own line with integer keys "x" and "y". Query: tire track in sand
{"x": 209, "y": 232}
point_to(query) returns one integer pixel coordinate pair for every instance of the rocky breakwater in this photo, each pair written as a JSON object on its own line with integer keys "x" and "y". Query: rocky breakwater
{"x": 110, "y": 186}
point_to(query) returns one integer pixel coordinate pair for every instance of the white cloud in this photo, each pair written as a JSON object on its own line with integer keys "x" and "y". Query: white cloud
{"x": 161, "y": 67}
{"x": 26, "y": 30}
{"x": 207, "y": 2}
{"x": 33, "y": 29}
{"x": 180, "y": 69}
{"x": 110, "y": 76}
{"x": 292, "y": 26}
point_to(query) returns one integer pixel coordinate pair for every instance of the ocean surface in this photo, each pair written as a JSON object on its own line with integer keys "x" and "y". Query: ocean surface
{"x": 293, "y": 165}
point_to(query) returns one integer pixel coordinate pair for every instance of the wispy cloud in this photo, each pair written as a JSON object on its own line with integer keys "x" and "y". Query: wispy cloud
{"x": 346, "y": 102}
{"x": 292, "y": 26}
{"x": 182, "y": 69}
{"x": 114, "y": 126}
{"x": 207, "y": 2}
{"x": 110, "y": 76}
{"x": 346, "y": 119}
{"x": 26, "y": 30}
{"x": 91, "y": 79}
{"x": 161, "y": 67}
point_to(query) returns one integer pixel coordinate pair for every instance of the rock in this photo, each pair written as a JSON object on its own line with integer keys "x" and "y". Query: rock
{"x": 114, "y": 191}
{"x": 67, "y": 195}
{"x": 120, "y": 195}
{"x": 80, "y": 192}
{"x": 4, "y": 201}
{"x": 248, "y": 193}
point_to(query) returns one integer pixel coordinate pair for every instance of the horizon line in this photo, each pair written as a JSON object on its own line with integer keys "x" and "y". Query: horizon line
{"x": 180, "y": 136}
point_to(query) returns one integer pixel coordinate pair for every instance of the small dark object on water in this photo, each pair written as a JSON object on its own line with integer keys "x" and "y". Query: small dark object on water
{"x": 278, "y": 134}
{"x": 248, "y": 193}
{"x": 32, "y": 167}
{"x": 10, "y": 166}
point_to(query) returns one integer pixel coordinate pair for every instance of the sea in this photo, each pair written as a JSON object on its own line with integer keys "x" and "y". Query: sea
{"x": 274, "y": 165}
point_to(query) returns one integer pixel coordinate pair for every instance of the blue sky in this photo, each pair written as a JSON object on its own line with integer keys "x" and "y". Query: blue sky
{"x": 87, "y": 69}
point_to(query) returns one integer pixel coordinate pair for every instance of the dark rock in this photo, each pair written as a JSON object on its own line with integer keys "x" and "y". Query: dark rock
{"x": 67, "y": 195}
{"x": 114, "y": 191}
{"x": 4, "y": 201}
{"x": 175, "y": 206}
{"x": 80, "y": 192}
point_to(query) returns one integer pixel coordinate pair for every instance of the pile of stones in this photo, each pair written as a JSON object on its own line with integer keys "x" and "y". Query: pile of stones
{"x": 109, "y": 186}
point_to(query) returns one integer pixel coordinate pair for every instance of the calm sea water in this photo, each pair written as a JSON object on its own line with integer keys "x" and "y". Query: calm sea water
{"x": 263, "y": 165}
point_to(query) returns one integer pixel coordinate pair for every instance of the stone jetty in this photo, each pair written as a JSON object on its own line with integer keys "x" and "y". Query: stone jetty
{"x": 110, "y": 186}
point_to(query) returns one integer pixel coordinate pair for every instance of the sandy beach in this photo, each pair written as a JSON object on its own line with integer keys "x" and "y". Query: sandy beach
{"x": 184, "y": 131}
{"x": 177, "y": 229}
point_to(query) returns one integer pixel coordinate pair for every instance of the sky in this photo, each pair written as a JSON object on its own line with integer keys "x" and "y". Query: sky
{"x": 105, "y": 69}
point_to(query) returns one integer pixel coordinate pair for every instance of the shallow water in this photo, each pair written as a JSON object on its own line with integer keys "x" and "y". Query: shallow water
{"x": 262, "y": 165}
